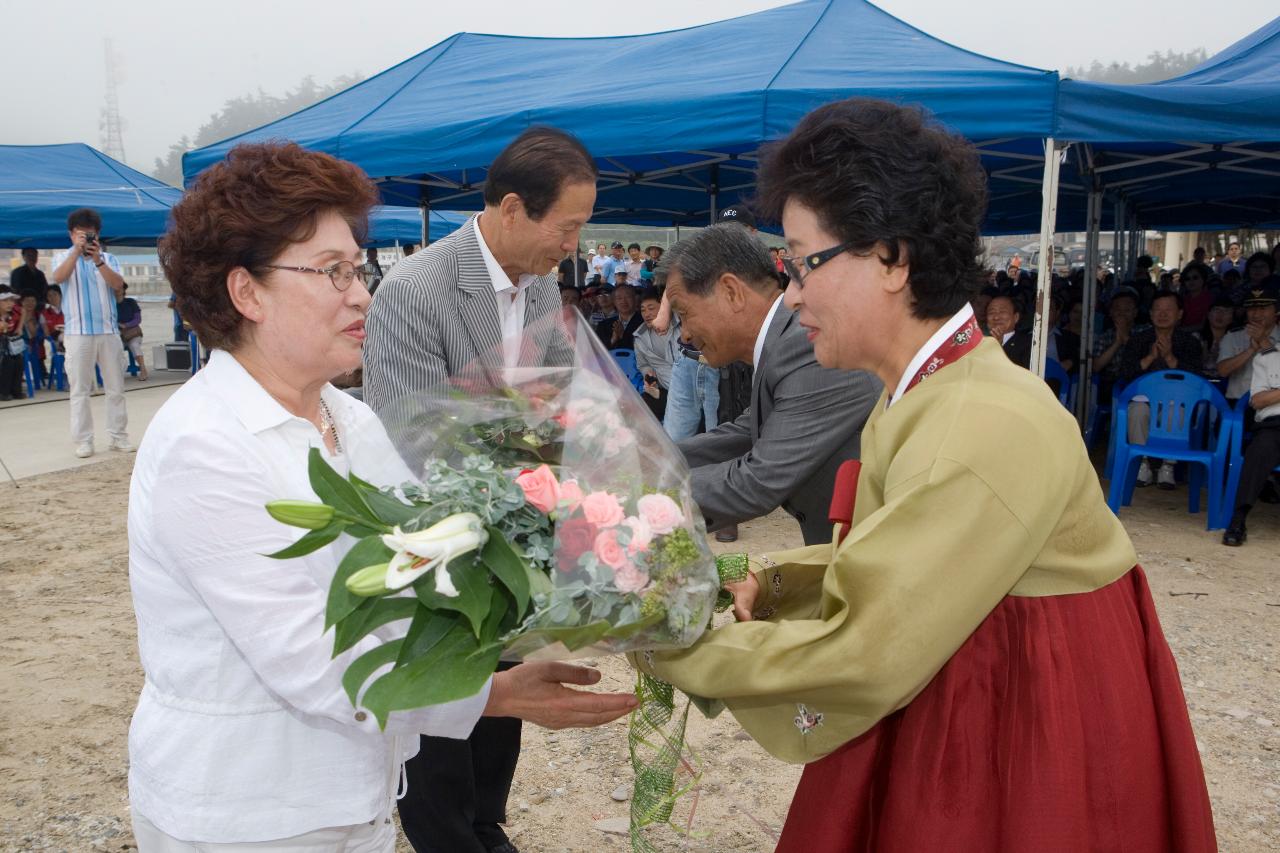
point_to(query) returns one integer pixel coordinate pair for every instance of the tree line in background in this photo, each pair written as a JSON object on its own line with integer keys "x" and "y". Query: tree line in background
{"x": 256, "y": 109}
{"x": 245, "y": 113}
{"x": 1159, "y": 66}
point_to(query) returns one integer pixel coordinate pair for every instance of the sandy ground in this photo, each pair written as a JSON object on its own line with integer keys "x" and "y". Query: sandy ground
{"x": 69, "y": 677}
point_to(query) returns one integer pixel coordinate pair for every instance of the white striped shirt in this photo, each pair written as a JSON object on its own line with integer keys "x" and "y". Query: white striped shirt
{"x": 88, "y": 302}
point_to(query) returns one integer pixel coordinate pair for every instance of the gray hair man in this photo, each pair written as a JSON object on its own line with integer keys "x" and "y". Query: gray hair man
{"x": 804, "y": 420}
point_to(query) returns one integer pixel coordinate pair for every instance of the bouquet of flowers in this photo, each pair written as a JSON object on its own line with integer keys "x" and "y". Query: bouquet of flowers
{"x": 551, "y": 518}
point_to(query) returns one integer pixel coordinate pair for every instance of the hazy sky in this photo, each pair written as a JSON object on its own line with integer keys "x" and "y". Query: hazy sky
{"x": 180, "y": 61}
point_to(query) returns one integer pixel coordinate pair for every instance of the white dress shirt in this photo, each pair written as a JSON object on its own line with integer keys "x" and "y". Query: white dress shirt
{"x": 914, "y": 366}
{"x": 510, "y": 300}
{"x": 243, "y": 731}
{"x": 758, "y": 351}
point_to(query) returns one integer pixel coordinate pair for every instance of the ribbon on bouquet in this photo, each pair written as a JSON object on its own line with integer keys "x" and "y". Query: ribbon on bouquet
{"x": 655, "y": 736}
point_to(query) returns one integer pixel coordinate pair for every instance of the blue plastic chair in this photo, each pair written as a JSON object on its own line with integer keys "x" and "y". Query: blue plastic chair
{"x": 56, "y": 379}
{"x": 1235, "y": 462}
{"x": 626, "y": 360}
{"x": 195, "y": 351}
{"x": 32, "y": 367}
{"x": 1055, "y": 371}
{"x": 1181, "y": 407}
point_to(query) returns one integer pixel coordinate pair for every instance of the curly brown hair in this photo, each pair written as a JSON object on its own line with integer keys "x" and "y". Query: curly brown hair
{"x": 888, "y": 179}
{"x": 244, "y": 212}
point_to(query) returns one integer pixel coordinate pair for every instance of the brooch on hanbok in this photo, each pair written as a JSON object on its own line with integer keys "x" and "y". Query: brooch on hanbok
{"x": 806, "y": 721}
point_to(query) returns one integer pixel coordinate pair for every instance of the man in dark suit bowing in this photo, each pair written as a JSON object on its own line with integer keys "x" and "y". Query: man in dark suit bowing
{"x": 804, "y": 420}
{"x": 474, "y": 304}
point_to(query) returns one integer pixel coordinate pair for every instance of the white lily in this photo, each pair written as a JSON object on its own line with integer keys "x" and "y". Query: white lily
{"x": 433, "y": 548}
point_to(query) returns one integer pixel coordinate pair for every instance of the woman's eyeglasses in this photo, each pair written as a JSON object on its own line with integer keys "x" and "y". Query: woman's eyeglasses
{"x": 793, "y": 263}
{"x": 342, "y": 274}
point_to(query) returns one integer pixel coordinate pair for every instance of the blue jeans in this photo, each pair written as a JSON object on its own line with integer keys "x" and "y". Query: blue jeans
{"x": 694, "y": 395}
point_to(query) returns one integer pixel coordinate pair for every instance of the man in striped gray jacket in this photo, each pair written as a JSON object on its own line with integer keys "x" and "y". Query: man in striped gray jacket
{"x": 470, "y": 305}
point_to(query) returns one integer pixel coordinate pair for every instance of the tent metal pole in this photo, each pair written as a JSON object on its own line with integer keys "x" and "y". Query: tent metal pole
{"x": 426, "y": 220}
{"x": 1053, "y": 154}
{"x": 715, "y": 191}
{"x": 1118, "y": 253}
{"x": 1085, "y": 386}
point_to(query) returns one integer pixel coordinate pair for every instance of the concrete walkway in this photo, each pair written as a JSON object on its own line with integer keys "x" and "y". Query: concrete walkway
{"x": 36, "y": 439}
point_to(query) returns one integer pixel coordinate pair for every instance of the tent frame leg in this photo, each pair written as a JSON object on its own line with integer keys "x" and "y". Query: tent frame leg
{"x": 1053, "y": 154}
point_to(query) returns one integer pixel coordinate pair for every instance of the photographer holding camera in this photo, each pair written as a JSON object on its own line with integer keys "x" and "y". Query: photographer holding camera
{"x": 91, "y": 280}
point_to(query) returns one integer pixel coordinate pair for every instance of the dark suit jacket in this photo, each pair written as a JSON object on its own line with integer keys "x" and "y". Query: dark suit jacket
{"x": 804, "y": 421}
{"x": 1018, "y": 348}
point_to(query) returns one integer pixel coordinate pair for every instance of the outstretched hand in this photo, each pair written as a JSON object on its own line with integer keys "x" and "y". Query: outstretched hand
{"x": 745, "y": 592}
{"x": 537, "y": 692}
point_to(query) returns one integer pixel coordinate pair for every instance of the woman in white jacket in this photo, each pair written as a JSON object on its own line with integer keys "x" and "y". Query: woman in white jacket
{"x": 243, "y": 737}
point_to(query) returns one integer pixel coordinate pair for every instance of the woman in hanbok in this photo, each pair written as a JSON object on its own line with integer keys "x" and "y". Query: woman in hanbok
{"x": 975, "y": 663}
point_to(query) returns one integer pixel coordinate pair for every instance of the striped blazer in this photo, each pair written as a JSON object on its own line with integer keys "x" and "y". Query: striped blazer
{"x": 435, "y": 318}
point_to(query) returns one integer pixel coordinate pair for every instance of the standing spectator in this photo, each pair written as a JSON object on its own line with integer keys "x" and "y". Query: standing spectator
{"x": 654, "y": 253}
{"x": 619, "y": 331}
{"x": 655, "y": 355}
{"x": 12, "y": 347}
{"x": 1215, "y": 329}
{"x": 30, "y": 277}
{"x": 572, "y": 271}
{"x": 1263, "y": 453}
{"x": 470, "y": 302}
{"x": 1197, "y": 257}
{"x": 180, "y": 335}
{"x": 1162, "y": 347}
{"x": 129, "y": 316}
{"x": 598, "y": 262}
{"x": 1260, "y": 334}
{"x": 375, "y": 269}
{"x": 613, "y": 264}
{"x": 91, "y": 279}
{"x": 635, "y": 264}
{"x": 1232, "y": 261}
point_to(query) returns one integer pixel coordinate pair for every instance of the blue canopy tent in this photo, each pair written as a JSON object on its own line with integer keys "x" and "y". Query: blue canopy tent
{"x": 389, "y": 226}
{"x": 1194, "y": 152}
{"x": 41, "y": 184}
{"x": 674, "y": 118}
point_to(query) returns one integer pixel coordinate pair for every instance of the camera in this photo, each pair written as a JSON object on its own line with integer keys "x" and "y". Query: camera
{"x": 650, "y": 380}
{"x": 90, "y": 237}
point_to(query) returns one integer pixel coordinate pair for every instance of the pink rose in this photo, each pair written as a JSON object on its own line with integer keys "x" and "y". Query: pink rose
{"x": 541, "y": 489}
{"x": 609, "y": 551}
{"x": 630, "y": 578}
{"x": 571, "y": 494}
{"x": 641, "y": 535}
{"x": 662, "y": 514}
{"x": 602, "y": 509}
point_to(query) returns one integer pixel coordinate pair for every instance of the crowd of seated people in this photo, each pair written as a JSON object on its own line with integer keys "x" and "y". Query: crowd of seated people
{"x": 1214, "y": 318}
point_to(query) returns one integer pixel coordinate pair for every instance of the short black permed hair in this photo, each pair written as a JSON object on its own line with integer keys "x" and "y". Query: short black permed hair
{"x": 885, "y": 178}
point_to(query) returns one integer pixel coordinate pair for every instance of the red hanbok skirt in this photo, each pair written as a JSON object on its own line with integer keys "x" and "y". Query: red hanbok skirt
{"x": 1059, "y": 725}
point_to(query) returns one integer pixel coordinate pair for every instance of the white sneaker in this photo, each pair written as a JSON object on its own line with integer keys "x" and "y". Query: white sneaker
{"x": 1145, "y": 477}
{"x": 121, "y": 446}
{"x": 84, "y": 451}
{"x": 1165, "y": 478}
